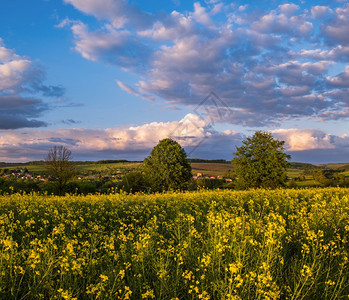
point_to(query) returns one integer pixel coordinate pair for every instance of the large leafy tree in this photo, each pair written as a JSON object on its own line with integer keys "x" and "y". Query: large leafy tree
{"x": 167, "y": 167}
{"x": 260, "y": 162}
{"x": 59, "y": 166}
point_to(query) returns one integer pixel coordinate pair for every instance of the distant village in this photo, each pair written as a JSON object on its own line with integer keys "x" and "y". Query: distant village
{"x": 201, "y": 175}
{"x": 23, "y": 173}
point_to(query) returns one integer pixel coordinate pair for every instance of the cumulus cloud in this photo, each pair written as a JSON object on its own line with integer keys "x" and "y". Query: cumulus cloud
{"x": 320, "y": 11}
{"x": 118, "y": 12}
{"x": 133, "y": 141}
{"x": 315, "y": 146}
{"x": 20, "y": 75}
{"x": 172, "y": 27}
{"x": 304, "y": 139}
{"x": 284, "y": 20}
{"x": 111, "y": 46}
{"x": 338, "y": 53}
{"x": 341, "y": 80}
{"x": 12, "y": 73}
{"x": 336, "y": 30}
{"x": 247, "y": 58}
{"x": 201, "y": 16}
{"x": 195, "y": 134}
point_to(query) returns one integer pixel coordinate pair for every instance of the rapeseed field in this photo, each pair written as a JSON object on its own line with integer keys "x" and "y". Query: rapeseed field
{"x": 281, "y": 244}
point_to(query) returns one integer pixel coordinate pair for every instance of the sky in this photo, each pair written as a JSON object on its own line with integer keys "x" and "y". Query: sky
{"x": 108, "y": 79}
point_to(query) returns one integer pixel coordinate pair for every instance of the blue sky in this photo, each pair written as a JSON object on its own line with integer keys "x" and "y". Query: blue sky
{"x": 108, "y": 79}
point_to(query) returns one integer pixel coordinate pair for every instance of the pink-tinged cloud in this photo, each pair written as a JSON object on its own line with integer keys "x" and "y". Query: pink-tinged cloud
{"x": 320, "y": 11}
{"x": 341, "y": 80}
{"x": 337, "y": 29}
{"x": 304, "y": 139}
{"x": 129, "y": 142}
{"x": 19, "y": 75}
{"x": 246, "y": 57}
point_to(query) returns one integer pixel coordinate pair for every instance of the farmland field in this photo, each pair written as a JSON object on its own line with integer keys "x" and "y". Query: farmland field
{"x": 211, "y": 169}
{"x": 282, "y": 244}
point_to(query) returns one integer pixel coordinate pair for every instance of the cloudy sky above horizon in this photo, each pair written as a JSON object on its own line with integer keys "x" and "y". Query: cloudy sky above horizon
{"x": 108, "y": 79}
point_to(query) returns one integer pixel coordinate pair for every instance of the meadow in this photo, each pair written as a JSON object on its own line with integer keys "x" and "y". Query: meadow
{"x": 222, "y": 244}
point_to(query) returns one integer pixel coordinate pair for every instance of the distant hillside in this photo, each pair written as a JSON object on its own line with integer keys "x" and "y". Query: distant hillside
{"x": 344, "y": 168}
{"x": 339, "y": 166}
{"x": 302, "y": 166}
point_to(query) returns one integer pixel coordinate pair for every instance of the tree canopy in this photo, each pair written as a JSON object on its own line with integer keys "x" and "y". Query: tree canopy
{"x": 260, "y": 162}
{"x": 167, "y": 167}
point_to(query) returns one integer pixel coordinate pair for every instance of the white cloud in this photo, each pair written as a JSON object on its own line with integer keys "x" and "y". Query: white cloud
{"x": 288, "y": 9}
{"x": 243, "y": 7}
{"x": 217, "y": 8}
{"x": 136, "y": 142}
{"x": 7, "y": 55}
{"x": 118, "y": 12}
{"x": 12, "y": 68}
{"x": 201, "y": 16}
{"x": 284, "y": 21}
{"x": 12, "y": 73}
{"x": 247, "y": 58}
{"x": 189, "y": 131}
{"x": 320, "y": 11}
{"x": 304, "y": 139}
{"x": 341, "y": 80}
{"x": 127, "y": 88}
{"x": 336, "y": 29}
{"x": 18, "y": 74}
{"x": 112, "y": 10}
{"x": 337, "y": 53}
{"x": 175, "y": 26}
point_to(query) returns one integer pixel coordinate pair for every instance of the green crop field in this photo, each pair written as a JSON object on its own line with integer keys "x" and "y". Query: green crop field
{"x": 281, "y": 244}
{"x": 105, "y": 168}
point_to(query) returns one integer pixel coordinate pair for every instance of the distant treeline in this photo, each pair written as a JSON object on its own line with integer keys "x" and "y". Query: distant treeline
{"x": 214, "y": 161}
{"x": 303, "y": 166}
{"x": 77, "y": 162}
{"x": 112, "y": 161}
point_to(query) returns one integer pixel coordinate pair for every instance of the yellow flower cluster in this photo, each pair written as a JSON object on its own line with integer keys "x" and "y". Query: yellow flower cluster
{"x": 259, "y": 244}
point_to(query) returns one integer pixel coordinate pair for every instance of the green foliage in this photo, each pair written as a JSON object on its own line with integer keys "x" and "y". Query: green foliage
{"x": 133, "y": 182}
{"x": 167, "y": 167}
{"x": 260, "y": 162}
{"x": 15, "y": 185}
{"x": 212, "y": 161}
{"x": 112, "y": 161}
{"x": 292, "y": 183}
{"x": 330, "y": 177}
{"x": 323, "y": 177}
{"x": 208, "y": 183}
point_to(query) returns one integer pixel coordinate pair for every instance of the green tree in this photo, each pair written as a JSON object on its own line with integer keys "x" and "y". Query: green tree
{"x": 132, "y": 182}
{"x": 59, "y": 166}
{"x": 167, "y": 167}
{"x": 260, "y": 162}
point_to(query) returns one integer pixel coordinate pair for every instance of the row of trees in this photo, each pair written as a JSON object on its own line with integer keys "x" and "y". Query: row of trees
{"x": 260, "y": 162}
